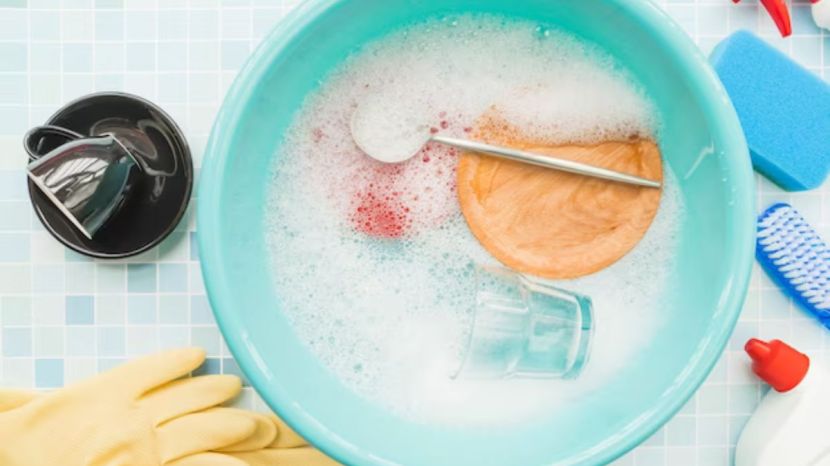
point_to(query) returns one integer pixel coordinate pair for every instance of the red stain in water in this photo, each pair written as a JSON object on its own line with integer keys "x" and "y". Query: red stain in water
{"x": 378, "y": 209}
{"x": 381, "y": 217}
{"x": 317, "y": 135}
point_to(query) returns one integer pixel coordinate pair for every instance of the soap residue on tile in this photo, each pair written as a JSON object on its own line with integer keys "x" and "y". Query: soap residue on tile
{"x": 374, "y": 263}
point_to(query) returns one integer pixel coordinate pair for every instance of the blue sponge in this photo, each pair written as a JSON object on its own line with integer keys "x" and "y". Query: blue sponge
{"x": 784, "y": 110}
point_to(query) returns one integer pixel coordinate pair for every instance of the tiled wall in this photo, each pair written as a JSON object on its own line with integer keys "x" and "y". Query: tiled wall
{"x": 64, "y": 317}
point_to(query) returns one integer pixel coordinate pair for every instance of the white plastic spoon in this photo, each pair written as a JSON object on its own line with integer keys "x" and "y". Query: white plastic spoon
{"x": 395, "y": 143}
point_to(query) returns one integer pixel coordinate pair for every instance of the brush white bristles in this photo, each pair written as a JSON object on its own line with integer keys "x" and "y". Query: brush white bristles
{"x": 796, "y": 256}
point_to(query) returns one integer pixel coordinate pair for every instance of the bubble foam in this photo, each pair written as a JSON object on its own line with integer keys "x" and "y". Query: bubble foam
{"x": 374, "y": 262}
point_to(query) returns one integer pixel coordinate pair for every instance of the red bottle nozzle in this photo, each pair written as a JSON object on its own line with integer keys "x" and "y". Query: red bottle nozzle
{"x": 780, "y": 14}
{"x": 777, "y": 363}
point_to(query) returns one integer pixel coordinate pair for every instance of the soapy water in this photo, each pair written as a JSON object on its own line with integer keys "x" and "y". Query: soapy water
{"x": 374, "y": 262}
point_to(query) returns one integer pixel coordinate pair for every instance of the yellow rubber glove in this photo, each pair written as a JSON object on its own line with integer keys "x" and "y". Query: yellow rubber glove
{"x": 287, "y": 449}
{"x": 264, "y": 435}
{"x": 14, "y": 398}
{"x": 136, "y": 414}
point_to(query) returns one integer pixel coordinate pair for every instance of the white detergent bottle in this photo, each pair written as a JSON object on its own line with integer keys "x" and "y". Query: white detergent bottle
{"x": 789, "y": 428}
{"x": 821, "y": 13}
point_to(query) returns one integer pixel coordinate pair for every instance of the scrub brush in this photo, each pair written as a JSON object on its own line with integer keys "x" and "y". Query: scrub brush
{"x": 796, "y": 258}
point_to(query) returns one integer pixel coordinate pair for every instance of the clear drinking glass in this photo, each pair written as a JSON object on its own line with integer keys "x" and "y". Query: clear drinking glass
{"x": 524, "y": 327}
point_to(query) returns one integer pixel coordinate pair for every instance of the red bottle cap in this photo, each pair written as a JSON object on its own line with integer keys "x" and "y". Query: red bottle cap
{"x": 780, "y": 14}
{"x": 777, "y": 363}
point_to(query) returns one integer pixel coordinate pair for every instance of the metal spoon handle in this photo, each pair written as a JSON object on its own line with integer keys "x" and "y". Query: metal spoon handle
{"x": 546, "y": 161}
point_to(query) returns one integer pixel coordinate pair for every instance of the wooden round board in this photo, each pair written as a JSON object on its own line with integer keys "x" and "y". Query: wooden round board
{"x": 555, "y": 224}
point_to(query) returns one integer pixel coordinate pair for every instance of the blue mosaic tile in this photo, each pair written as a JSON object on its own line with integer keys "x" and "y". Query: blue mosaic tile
{"x": 194, "y": 247}
{"x": 203, "y": 90}
{"x": 681, "y": 431}
{"x": 234, "y": 54}
{"x": 172, "y": 278}
{"x": 109, "y": 82}
{"x": 17, "y": 342}
{"x": 197, "y": 284}
{"x": 649, "y": 457}
{"x": 141, "y": 25}
{"x": 18, "y": 373}
{"x": 173, "y": 309}
{"x": 236, "y": 24}
{"x": 141, "y": 278}
{"x": 141, "y": 309}
{"x": 77, "y": 58}
{"x": 109, "y": 4}
{"x": 17, "y": 310}
{"x": 110, "y": 309}
{"x": 45, "y": 4}
{"x": 200, "y": 312}
{"x": 204, "y": 56}
{"x": 141, "y": 56}
{"x": 206, "y": 338}
{"x": 48, "y": 278}
{"x": 681, "y": 456}
{"x": 80, "y": 310}
{"x": 743, "y": 398}
{"x": 48, "y": 373}
{"x": 13, "y": 88}
{"x": 714, "y": 456}
{"x": 111, "y": 341}
{"x": 173, "y": 88}
{"x": 45, "y": 25}
{"x": 12, "y": 185}
{"x": 174, "y": 337}
{"x": 80, "y": 341}
{"x": 203, "y": 24}
{"x": 111, "y": 278}
{"x": 712, "y": 430}
{"x": 173, "y": 248}
{"x": 109, "y": 25}
{"x": 170, "y": 25}
{"x": 48, "y": 309}
{"x": 77, "y": 26}
{"x": 712, "y": 399}
{"x": 43, "y": 58}
{"x": 10, "y": 121}
{"x": 210, "y": 366}
{"x": 80, "y": 278}
{"x": 48, "y": 342}
{"x": 17, "y": 215}
{"x": 141, "y": 340}
{"x": 70, "y": 4}
{"x": 14, "y": 247}
{"x": 72, "y": 256}
{"x": 807, "y": 51}
{"x": 109, "y": 58}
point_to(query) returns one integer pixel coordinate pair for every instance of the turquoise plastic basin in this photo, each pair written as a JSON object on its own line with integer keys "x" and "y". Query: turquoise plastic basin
{"x": 702, "y": 143}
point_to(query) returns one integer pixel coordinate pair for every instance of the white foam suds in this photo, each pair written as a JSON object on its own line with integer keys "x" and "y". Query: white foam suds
{"x": 374, "y": 261}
